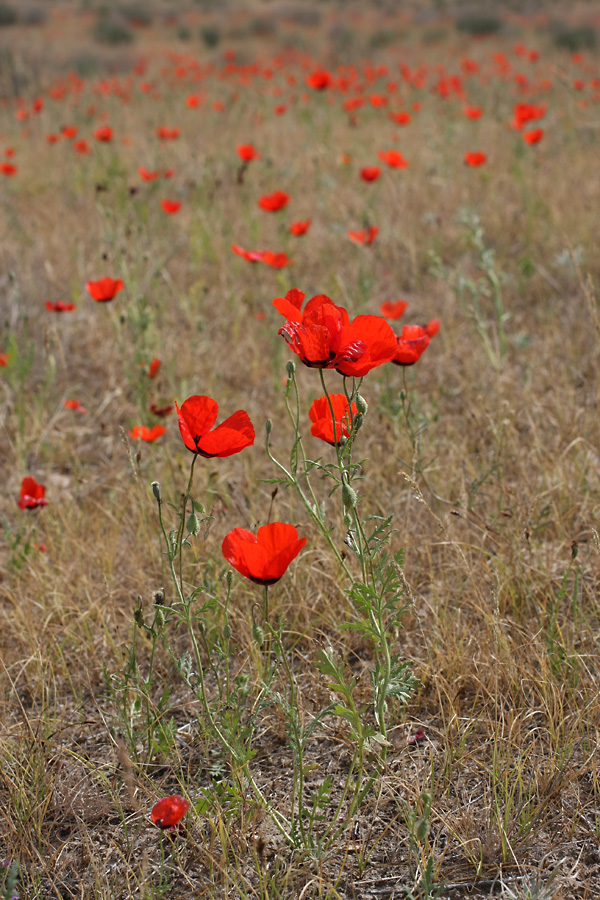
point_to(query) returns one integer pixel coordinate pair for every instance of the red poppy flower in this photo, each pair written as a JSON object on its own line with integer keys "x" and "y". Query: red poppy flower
{"x": 400, "y": 118}
{"x": 393, "y": 309}
{"x": 105, "y": 289}
{"x": 247, "y": 153}
{"x": 168, "y": 173}
{"x": 60, "y": 306}
{"x": 169, "y": 811}
{"x": 279, "y": 110}
{"x": 319, "y": 80}
{"x": 299, "y": 228}
{"x": 161, "y": 411}
{"x": 274, "y": 202}
{"x": 104, "y": 134}
{"x": 69, "y": 131}
{"x": 533, "y": 137}
{"x": 323, "y": 337}
{"x": 170, "y": 206}
{"x": 264, "y": 557}
{"x": 320, "y": 416}
{"x": 411, "y": 344}
{"x": 370, "y": 173}
{"x": 167, "y": 134}
{"x": 153, "y": 367}
{"x": 253, "y": 256}
{"x": 32, "y": 494}
{"x": 275, "y": 260}
{"x": 393, "y": 159}
{"x": 75, "y": 405}
{"x": 3, "y": 360}
{"x": 8, "y": 169}
{"x": 197, "y": 416}
{"x": 52, "y": 138}
{"x": 9, "y": 152}
{"x": 472, "y": 112}
{"x": 143, "y": 433}
{"x": 81, "y": 147}
{"x": 475, "y": 158}
{"x": 364, "y": 236}
{"x": 146, "y": 175}
{"x": 433, "y": 327}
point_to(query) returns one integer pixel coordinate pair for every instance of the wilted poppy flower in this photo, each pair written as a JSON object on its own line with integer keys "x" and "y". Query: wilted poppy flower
{"x": 104, "y": 134}
{"x": 393, "y": 309}
{"x": 323, "y": 337}
{"x": 197, "y": 416}
{"x": 364, "y": 236}
{"x": 8, "y": 169}
{"x": 393, "y": 159}
{"x": 370, "y": 173}
{"x": 161, "y": 411}
{"x": 320, "y": 416}
{"x": 143, "y": 433}
{"x": 247, "y": 153}
{"x": 32, "y": 494}
{"x": 60, "y": 306}
{"x": 105, "y": 289}
{"x": 274, "y": 202}
{"x": 170, "y": 206}
{"x": 413, "y": 342}
{"x": 146, "y": 175}
{"x": 533, "y": 137}
{"x": 153, "y": 367}
{"x": 299, "y": 228}
{"x": 318, "y": 80}
{"x": 475, "y": 158}
{"x": 264, "y": 557}
{"x": 169, "y": 811}
{"x": 74, "y": 405}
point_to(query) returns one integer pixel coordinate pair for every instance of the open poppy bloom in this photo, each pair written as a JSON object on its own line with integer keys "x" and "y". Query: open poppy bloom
{"x": 104, "y": 134}
{"x": 8, "y": 169}
{"x": 274, "y": 202}
{"x": 147, "y": 175}
{"x": 105, "y": 289}
{"x": 364, "y": 236}
{"x": 411, "y": 344}
{"x": 32, "y": 494}
{"x": 74, "y": 405}
{"x": 475, "y": 158}
{"x": 393, "y": 309}
{"x": 262, "y": 557}
{"x": 60, "y": 306}
{"x": 320, "y": 416}
{"x": 275, "y": 260}
{"x": 370, "y": 173}
{"x": 393, "y": 159}
{"x": 533, "y": 137}
{"x": 170, "y": 206}
{"x": 323, "y": 337}
{"x": 169, "y": 811}
{"x": 143, "y": 433}
{"x": 319, "y": 80}
{"x": 247, "y": 152}
{"x": 433, "y": 327}
{"x": 299, "y": 228}
{"x": 400, "y": 118}
{"x": 197, "y": 416}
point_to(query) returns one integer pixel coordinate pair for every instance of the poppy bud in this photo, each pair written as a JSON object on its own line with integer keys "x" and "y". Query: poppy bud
{"x": 290, "y": 368}
{"x": 268, "y": 426}
{"x": 258, "y": 634}
{"x": 159, "y": 598}
{"x": 159, "y": 617}
{"x": 229, "y": 579}
{"x": 358, "y": 421}
{"x": 156, "y": 490}
{"x": 347, "y": 520}
{"x": 361, "y": 404}
{"x": 349, "y": 496}
{"x": 139, "y": 616}
{"x": 227, "y": 631}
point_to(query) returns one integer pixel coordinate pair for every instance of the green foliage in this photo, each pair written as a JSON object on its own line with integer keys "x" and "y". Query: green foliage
{"x": 113, "y": 32}
{"x": 137, "y": 14}
{"x": 478, "y": 24}
{"x": 211, "y": 35}
{"x": 575, "y": 40}
{"x": 8, "y": 15}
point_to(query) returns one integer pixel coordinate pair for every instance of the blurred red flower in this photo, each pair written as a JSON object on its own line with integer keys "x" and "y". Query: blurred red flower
{"x": 143, "y": 433}
{"x": 264, "y": 557}
{"x": 247, "y": 153}
{"x": 3, "y": 360}
{"x": 69, "y": 131}
{"x": 253, "y": 256}
{"x": 146, "y": 175}
{"x": 393, "y": 159}
{"x": 364, "y": 236}
{"x": 32, "y": 494}
{"x": 433, "y": 327}
{"x": 533, "y": 137}
{"x": 323, "y": 337}
{"x": 171, "y": 206}
{"x": 393, "y": 309}
{"x": 169, "y": 811}
{"x": 74, "y": 405}
{"x": 400, "y": 118}
{"x": 60, "y": 306}
{"x": 52, "y": 138}
{"x": 197, "y": 416}
{"x": 370, "y": 173}
{"x": 472, "y": 112}
{"x": 299, "y": 228}
{"x": 320, "y": 416}
{"x": 8, "y": 168}
{"x": 411, "y": 344}
{"x": 82, "y": 147}
{"x": 275, "y": 260}
{"x": 274, "y": 202}
{"x": 153, "y": 367}
{"x": 319, "y": 80}
{"x": 104, "y": 134}
{"x": 161, "y": 411}
{"x": 475, "y": 158}
{"x": 104, "y": 289}
{"x": 167, "y": 134}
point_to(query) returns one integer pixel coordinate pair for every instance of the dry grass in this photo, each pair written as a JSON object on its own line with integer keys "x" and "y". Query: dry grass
{"x": 492, "y": 482}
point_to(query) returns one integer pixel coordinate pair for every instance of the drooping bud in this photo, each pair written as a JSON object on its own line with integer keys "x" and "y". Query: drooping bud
{"x": 358, "y": 421}
{"x": 349, "y": 496}
{"x": 258, "y": 634}
{"x": 347, "y": 520}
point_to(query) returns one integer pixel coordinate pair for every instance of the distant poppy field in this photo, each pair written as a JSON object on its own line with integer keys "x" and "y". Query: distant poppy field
{"x": 300, "y": 442}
